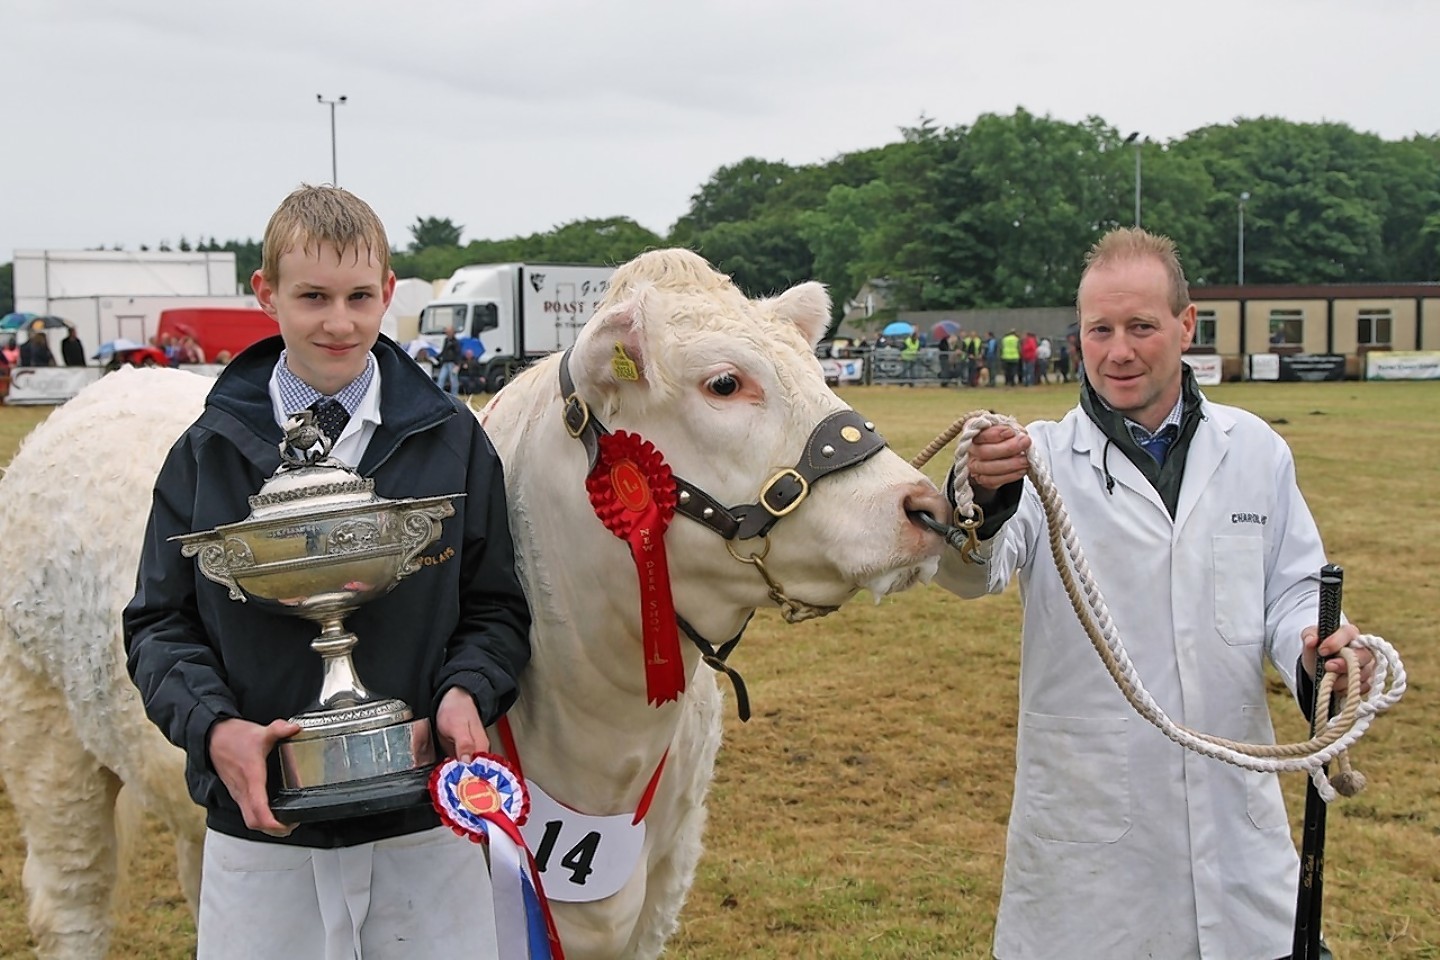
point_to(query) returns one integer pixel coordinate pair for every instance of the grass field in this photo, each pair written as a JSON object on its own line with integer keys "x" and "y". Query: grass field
{"x": 861, "y": 812}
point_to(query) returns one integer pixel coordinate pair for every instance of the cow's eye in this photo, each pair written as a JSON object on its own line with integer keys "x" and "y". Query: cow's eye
{"x": 724, "y": 385}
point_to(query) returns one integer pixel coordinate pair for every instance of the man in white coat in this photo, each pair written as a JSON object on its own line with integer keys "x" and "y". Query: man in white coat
{"x": 1121, "y": 844}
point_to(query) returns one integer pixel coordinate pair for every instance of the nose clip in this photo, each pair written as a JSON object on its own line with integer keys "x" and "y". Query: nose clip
{"x": 961, "y": 537}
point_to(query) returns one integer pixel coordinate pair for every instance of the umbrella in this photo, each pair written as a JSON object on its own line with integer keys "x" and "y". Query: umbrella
{"x": 945, "y": 328}
{"x": 897, "y": 329}
{"x": 14, "y": 321}
{"x": 418, "y": 347}
{"x": 111, "y": 347}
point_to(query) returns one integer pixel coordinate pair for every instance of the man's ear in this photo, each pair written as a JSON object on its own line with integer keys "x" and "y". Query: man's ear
{"x": 611, "y": 352}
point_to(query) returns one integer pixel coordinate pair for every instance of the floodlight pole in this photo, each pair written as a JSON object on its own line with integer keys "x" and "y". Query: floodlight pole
{"x": 1134, "y": 138}
{"x": 340, "y": 101}
{"x": 1240, "y": 244}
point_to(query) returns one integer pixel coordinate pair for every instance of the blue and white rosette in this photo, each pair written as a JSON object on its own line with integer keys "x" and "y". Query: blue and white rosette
{"x": 485, "y": 801}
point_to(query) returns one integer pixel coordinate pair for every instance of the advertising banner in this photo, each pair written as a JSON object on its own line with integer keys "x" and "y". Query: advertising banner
{"x": 848, "y": 370}
{"x": 1264, "y": 366}
{"x": 1312, "y": 366}
{"x": 1403, "y": 365}
{"x": 1206, "y": 367}
{"x": 49, "y": 384}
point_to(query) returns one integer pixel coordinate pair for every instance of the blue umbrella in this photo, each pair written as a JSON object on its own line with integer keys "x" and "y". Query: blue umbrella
{"x": 897, "y": 329}
{"x": 14, "y": 321}
{"x": 111, "y": 347}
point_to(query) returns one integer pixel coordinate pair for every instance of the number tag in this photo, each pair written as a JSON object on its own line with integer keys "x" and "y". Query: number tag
{"x": 581, "y": 858}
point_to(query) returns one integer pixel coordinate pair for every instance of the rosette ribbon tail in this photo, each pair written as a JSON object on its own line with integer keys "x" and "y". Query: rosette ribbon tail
{"x": 485, "y": 801}
{"x": 633, "y": 493}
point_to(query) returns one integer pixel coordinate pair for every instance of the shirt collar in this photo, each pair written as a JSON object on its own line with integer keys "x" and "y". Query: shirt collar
{"x": 297, "y": 395}
{"x": 1170, "y": 425}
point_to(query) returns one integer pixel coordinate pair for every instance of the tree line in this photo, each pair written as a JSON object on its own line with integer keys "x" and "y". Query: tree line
{"x": 997, "y": 213}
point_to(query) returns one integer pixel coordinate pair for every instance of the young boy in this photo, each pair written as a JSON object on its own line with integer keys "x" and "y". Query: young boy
{"x": 220, "y": 677}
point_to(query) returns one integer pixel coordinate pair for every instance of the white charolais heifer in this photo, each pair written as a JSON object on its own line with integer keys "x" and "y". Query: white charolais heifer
{"x": 729, "y": 391}
{"x": 726, "y": 388}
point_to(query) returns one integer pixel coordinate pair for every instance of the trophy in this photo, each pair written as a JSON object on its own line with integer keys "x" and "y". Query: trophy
{"x": 319, "y": 543}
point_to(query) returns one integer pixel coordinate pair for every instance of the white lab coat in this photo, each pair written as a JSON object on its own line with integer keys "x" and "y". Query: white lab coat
{"x": 1122, "y": 844}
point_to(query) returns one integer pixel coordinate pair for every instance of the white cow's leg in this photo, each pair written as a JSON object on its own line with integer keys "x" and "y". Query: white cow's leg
{"x": 188, "y": 854}
{"x": 64, "y": 800}
{"x": 682, "y": 815}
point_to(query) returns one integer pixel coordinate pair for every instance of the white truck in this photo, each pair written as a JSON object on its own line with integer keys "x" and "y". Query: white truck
{"x": 519, "y": 312}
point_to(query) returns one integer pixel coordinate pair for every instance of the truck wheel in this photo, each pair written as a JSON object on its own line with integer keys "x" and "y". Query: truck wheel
{"x": 497, "y": 374}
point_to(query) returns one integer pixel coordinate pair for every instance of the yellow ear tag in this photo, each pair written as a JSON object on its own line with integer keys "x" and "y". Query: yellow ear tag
{"x": 623, "y": 366}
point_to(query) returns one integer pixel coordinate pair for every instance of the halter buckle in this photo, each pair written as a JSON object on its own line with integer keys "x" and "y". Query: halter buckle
{"x": 788, "y": 473}
{"x": 576, "y": 416}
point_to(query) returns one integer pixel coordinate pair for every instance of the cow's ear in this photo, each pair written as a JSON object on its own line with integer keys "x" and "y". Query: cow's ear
{"x": 807, "y": 305}
{"x": 611, "y": 350}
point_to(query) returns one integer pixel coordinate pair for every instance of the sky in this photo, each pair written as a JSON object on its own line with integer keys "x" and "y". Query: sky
{"x": 139, "y": 121}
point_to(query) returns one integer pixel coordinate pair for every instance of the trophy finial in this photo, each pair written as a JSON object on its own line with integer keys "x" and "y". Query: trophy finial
{"x": 305, "y": 444}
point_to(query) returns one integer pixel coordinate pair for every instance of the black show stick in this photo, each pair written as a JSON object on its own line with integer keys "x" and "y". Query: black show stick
{"x": 1306, "y": 945}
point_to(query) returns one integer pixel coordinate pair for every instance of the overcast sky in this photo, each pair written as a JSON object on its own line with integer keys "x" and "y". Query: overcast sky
{"x": 137, "y": 121}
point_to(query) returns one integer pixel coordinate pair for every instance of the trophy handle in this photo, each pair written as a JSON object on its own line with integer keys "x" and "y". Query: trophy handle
{"x": 420, "y": 527}
{"x": 218, "y": 558}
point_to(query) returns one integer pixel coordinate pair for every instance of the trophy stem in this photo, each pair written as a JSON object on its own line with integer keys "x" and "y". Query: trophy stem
{"x": 341, "y": 686}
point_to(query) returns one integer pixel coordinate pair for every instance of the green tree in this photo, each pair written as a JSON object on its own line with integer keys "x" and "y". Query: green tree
{"x": 427, "y": 232}
{"x": 609, "y": 241}
{"x": 7, "y": 288}
{"x": 732, "y": 194}
{"x": 763, "y": 257}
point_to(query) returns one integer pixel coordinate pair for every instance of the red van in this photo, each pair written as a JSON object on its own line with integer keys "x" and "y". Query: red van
{"x": 216, "y": 329}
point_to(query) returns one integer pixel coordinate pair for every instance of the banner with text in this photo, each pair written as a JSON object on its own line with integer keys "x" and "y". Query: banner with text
{"x": 1403, "y": 365}
{"x": 1207, "y": 368}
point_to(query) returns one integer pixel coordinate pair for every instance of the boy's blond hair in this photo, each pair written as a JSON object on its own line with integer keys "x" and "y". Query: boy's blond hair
{"x": 314, "y": 215}
{"x": 1127, "y": 244}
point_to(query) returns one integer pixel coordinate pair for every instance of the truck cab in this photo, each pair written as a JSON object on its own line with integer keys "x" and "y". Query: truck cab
{"x": 517, "y": 312}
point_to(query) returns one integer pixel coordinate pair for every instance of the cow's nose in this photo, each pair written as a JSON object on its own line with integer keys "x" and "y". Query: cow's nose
{"x": 922, "y": 497}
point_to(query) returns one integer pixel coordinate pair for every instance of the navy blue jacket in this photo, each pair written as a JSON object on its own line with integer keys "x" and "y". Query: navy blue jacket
{"x": 199, "y": 657}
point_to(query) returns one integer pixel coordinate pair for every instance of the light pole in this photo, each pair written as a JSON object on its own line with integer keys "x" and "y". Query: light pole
{"x": 1133, "y": 138}
{"x": 340, "y": 101}
{"x": 1240, "y": 244}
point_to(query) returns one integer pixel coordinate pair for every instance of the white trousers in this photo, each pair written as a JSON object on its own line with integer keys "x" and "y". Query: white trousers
{"x": 417, "y": 897}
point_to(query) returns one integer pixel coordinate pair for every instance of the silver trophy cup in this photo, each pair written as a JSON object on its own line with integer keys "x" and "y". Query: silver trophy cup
{"x": 318, "y": 544}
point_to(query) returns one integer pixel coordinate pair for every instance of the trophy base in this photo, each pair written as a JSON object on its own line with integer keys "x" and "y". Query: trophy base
{"x": 356, "y": 798}
{"x": 354, "y": 773}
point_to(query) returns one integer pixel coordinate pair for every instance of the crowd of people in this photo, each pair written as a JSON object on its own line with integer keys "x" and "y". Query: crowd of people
{"x": 968, "y": 358}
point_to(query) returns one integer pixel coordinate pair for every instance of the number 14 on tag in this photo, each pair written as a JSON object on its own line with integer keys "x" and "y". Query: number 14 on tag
{"x": 581, "y": 858}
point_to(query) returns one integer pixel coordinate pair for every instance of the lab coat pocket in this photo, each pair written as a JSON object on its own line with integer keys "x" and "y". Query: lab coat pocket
{"x": 1264, "y": 803}
{"x": 1239, "y": 572}
{"x": 1076, "y": 778}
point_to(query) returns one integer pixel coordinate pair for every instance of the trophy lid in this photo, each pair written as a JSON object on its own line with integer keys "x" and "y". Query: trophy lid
{"x": 309, "y": 480}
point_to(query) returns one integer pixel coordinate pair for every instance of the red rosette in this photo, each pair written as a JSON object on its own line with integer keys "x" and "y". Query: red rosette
{"x": 633, "y": 493}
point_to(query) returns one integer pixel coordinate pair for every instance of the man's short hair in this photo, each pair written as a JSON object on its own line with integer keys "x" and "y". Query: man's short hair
{"x": 1126, "y": 244}
{"x": 311, "y": 216}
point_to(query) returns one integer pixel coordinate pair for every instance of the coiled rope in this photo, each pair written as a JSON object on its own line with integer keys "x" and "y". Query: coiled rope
{"x": 1332, "y": 742}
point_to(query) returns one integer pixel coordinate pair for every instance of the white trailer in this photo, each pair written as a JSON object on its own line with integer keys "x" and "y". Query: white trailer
{"x": 45, "y": 275}
{"x": 518, "y": 311}
{"x": 99, "y": 320}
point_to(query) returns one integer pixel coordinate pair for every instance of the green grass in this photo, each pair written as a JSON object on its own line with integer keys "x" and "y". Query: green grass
{"x": 808, "y": 856}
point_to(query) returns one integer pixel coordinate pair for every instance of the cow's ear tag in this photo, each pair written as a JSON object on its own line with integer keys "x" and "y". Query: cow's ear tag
{"x": 623, "y": 366}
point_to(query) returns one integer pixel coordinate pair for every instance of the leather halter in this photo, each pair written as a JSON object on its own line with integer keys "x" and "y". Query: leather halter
{"x": 839, "y": 441}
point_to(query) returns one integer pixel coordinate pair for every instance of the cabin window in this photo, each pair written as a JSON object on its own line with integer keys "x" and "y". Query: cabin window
{"x": 1373, "y": 327}
{"x": 1287, "y": 328}
{"x": 1204, "y": 328}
